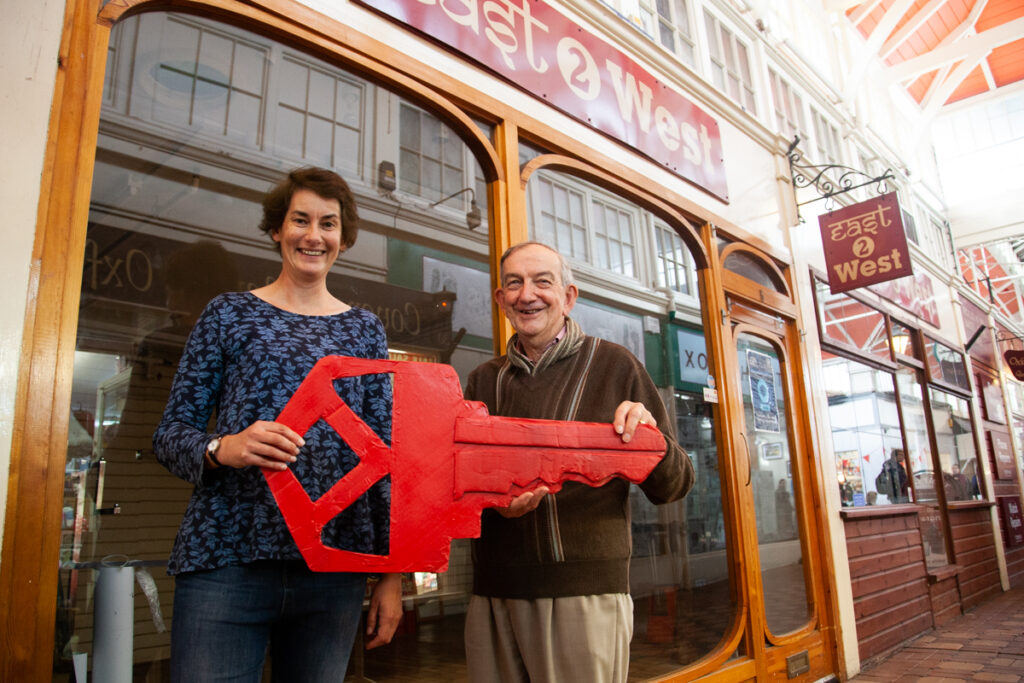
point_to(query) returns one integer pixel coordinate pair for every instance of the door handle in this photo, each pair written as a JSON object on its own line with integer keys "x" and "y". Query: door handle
{"x": 746, "y": 447}
{"x": 101, "y": 474}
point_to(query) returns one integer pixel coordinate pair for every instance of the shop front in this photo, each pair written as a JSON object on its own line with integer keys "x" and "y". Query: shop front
{"x": 917, "y": 490}
{"x": 181, "y": 120}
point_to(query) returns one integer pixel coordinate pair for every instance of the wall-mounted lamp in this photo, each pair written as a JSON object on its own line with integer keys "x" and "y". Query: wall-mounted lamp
{"x": 473, "y": 216}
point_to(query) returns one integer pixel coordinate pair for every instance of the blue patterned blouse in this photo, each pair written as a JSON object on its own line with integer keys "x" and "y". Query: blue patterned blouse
{"x": 243, "y": 360}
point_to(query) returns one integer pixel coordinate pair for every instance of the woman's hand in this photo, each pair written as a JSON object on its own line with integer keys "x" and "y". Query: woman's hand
{"x": 385, "y": 611}
{"x": 261, "y": 444}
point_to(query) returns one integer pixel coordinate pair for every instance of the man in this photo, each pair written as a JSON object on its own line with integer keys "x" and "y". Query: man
{"x": 892, "y": 480}
{"x": 551, "y": 572}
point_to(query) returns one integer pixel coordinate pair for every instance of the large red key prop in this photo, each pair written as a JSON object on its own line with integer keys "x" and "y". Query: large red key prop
{"x": 448, "y": 460}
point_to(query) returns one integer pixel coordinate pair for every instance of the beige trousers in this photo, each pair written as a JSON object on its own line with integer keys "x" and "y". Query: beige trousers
{"x": 582, "y": 639}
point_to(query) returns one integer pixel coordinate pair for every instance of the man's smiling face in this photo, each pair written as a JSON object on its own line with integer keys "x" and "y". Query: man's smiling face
{"x": 533, "y": 296}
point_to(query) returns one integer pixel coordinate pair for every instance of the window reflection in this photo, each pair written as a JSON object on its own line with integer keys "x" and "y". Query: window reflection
{"x": 946, "y": 364}
{"x": 846, "y": 321}
{"x": 870, "y": 459}
{"x": 679, "y": 572}
{"x": 922, "y": 471}
{"x": 955, "y": 440}
{"x": 198, "y": 119}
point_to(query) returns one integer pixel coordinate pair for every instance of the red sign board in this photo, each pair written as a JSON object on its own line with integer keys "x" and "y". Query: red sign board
{"x": 865, "y": 244}
{"x": 1002, "y": 454}
{"x": 1015, "y": 359}
{"x": 548, "y": 55}
{"x": 1013, "y": 525}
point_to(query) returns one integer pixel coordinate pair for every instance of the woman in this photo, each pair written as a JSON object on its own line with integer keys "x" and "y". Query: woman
{"x": 241, "y": 584}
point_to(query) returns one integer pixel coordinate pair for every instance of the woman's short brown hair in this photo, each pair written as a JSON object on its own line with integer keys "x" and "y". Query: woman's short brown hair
{"x": 325, "y": 183}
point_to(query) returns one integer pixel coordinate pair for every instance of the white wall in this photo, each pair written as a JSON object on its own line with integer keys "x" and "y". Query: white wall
{"x": 29, "y": 39}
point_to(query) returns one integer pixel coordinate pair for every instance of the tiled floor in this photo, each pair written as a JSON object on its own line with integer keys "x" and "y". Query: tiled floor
{"x": 986, "y": 644}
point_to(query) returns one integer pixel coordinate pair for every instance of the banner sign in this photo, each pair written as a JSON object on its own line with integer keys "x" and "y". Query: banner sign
{"x": 546, "y": 54}
{"x": 865, "y": 243}
{"x": 1015, "y": 359}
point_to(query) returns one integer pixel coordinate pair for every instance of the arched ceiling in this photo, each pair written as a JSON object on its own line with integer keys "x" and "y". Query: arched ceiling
{"x": 944, "y": 51}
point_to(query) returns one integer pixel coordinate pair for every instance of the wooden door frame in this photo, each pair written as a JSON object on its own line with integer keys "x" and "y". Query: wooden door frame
{"x": 28, "y": 566}
{"x": 761, "y": 300}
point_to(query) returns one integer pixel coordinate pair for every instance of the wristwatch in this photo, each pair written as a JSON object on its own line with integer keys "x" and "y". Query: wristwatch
{"x": 211, "y": 451}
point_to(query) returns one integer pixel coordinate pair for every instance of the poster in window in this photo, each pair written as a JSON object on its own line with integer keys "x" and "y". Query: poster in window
{"x": 1002, "y": 454}
{"x": 762, "y": 392}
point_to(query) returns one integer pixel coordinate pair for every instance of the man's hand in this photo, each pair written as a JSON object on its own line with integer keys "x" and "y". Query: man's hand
{"x": 385, "y": 611}
{"x": 524, "y": 502}
{"x": 628, "y": 415}
{"x": 263, "y": 444}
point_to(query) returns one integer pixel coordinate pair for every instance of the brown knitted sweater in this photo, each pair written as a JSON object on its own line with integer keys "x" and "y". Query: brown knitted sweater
{"x": 578, "y": 541}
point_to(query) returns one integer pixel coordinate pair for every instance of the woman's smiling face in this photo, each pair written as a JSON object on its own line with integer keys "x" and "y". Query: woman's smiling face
{"x": 310, "y": 237}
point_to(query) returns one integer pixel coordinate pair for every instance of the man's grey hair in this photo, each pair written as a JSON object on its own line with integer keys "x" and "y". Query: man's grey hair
{"x": 565, "y": 272}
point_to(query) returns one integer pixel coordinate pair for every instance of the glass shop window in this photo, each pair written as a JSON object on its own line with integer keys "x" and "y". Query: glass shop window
{"x": 790, "y": 119}
{"x": 848, "y": 322}
{"x": 730, "y": 64}
{"x": 676, "y": 269}
{"x": 946, "y": 364}
{"x": 922, "y": 472}
{"x": 585, "y": 223}
{"x": 866, "y": 439}
{"x": 903, "y": 340}
{"x": 198, "y": 119}
{"x": 680, "y": 559}
{"x": 954, "y": 436}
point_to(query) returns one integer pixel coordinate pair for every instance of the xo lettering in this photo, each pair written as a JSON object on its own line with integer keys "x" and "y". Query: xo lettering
{"x": 404, "y": 321}
{"x": 700, "y": 362}
{"x": 134, "y": 269}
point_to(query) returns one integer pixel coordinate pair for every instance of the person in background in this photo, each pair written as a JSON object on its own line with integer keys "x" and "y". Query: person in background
{"x": 961, "y": 487}
{"x": 891, "y": 481}
{"x": 241, "y": 587}
{"x": 785, "y": 520}
{"x": 550, "y": 596}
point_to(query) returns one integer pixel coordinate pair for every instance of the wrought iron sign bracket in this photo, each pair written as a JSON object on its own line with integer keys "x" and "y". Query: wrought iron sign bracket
{"x": 829, "y": 180}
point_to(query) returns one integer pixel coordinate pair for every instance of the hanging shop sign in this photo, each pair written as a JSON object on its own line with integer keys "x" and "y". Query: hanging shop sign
{"x": 865, "y": 243}
{"x": 548, "y": 55}
{"x": 1015, "y": 359}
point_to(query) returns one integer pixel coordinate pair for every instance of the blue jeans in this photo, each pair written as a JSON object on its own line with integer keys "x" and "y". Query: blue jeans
{"x": 225, "y": 620}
